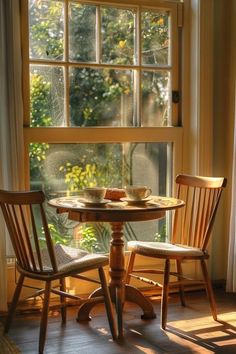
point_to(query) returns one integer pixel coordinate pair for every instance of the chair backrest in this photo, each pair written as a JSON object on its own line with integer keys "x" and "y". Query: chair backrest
{"x": 193, "y": 224}
{"x": 26, "y": 223}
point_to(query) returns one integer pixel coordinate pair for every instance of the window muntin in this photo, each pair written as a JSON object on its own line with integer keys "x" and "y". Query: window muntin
{"x": 106, "y": 38}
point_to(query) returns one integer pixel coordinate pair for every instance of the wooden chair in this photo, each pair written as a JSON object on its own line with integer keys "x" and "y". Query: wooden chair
{"x": 192, "y": 227}
{"x": 25, "y": 216}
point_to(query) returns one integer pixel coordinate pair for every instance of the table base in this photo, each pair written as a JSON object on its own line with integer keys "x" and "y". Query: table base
{"x": 131, "y": 294}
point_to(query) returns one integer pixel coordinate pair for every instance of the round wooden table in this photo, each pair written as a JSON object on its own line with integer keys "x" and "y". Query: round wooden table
{"x": 117, "y": 213}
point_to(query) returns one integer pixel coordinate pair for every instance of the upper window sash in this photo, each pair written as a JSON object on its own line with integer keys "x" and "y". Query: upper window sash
{"x": 136, "y": 68}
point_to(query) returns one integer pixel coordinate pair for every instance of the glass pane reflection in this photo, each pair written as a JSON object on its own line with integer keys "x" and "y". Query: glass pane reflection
{"x": 64, "y": 169}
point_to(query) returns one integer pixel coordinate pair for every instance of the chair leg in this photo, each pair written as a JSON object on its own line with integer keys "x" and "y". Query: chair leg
{"x": 108, "y": 303}
{"x": 14, "y": 303}
{"x": 62, "y": 298}
{"x": 165, "y": 291}
{"x": 44, "y": 317}
{"x": 181, "y": 287}
{"x": 130, "y": 267}
{"x": 209, "y": 289}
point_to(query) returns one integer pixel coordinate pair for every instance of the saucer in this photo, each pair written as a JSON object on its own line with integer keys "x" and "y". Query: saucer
{"x": 68, "y": 201}
{"x": 92, "y": 204}
{"x": 132, "y": 201}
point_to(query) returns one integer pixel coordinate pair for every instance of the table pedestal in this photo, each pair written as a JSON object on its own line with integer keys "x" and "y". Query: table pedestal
{"x": 120, "y": 292}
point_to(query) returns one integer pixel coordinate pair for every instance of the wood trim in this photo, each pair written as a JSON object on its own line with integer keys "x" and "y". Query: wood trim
{"x": 205, "y": 88}
{"x": 102, "y": 135}
{"x": 198, "y": 86}
{"x": 25, "y": 60}
{"x": 156, "y": 3}
{"x": 3, "y": 265}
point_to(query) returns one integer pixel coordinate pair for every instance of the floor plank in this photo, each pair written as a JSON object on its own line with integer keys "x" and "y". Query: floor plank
{"x": 189, "y": 330}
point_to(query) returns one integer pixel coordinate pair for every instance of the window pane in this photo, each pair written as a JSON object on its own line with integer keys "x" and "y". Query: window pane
{"x": 64, "y": 169}
{"x": 155, "y": 38}
{"x": 82, "y": 32}
{"x": 46, "y": 28}
{"x": 101, "y": 97}
{"x": 118, "y": 36}
{"x": 155, "y": 98}
{"x": 46, "y": 96}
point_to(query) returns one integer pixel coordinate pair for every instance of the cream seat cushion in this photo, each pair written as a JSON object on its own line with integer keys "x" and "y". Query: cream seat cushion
{"x": 70, "y": 258}
{"x": 155, "y": 249}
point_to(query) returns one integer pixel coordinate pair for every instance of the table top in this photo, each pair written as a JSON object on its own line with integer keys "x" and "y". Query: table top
{"x": 123, "y": 210}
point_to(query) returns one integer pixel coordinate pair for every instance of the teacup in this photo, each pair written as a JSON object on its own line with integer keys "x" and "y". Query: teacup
{"x": 94, "y": 194}
{"x": 137, "y": 192}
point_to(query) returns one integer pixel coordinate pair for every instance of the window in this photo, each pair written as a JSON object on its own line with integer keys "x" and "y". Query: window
{"x": 101, "y": 99}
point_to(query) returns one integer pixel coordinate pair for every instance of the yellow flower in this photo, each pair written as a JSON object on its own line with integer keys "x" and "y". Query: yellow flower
{"x": 122, "y": 44}
{"x": 160, "y": 22}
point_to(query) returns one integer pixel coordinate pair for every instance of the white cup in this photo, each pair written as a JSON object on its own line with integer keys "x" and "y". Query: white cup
{"x": 94, "y": 194}
{"x": 137, "y": 192}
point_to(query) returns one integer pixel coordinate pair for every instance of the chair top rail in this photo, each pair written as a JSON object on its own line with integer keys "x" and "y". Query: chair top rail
{"x": 17, "y": 198}
{"x": 201, "y": 181}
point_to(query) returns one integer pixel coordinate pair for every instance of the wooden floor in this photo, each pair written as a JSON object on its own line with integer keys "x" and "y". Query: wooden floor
{"x": 190, "y": 330}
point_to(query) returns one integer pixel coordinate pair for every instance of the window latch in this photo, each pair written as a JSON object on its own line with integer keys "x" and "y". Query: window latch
{"x": 175, "y": 96}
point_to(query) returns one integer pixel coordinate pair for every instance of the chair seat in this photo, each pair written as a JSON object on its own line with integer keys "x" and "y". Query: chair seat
{"x": 156, "y": 249}
{"x": 69, "y": 259}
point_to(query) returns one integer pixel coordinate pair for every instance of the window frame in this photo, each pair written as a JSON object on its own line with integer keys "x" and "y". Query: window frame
{"x": 171, "y": 134}
{"x": 197, "y": 57}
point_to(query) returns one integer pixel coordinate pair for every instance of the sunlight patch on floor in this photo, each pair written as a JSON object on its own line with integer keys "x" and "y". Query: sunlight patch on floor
{"x": 229, "y": 317}
{"x": 213, "y": 334}
{"x": 145, "y": 350}
{"x": 194, "y": 324}
{"x": 189, "y": 342}
{"x": 103, "y": 331}
{"x": 136, "y": 332}
{"x": 226, "y": 343}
